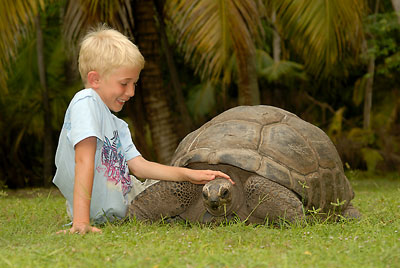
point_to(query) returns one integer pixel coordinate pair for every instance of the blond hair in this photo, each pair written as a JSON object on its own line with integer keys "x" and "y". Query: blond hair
{"x": 104, "y": 49}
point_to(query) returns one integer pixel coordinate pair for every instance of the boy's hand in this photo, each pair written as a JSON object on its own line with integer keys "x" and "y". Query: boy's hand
{"x": 80, "y": 228}
{"x": 204, "y": 176}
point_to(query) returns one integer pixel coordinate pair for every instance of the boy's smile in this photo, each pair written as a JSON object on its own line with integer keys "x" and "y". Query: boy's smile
{"x": 117, "y": 87}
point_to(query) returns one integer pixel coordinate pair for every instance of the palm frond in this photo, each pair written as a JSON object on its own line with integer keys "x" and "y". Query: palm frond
{"x": 321, "y": 32}
{"x": 282, "y": 71}
{"x": 15, "y": 18}
{"x": 81, "y": 15}
{"x": 209, "y": 31}
{"x": 201, "y": 99}
{"x": 24, "y": 100}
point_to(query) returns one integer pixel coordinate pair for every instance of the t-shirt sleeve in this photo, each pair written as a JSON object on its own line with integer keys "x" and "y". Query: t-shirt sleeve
{"x": 85, "y": 120}
{"x": 126, "y": 139}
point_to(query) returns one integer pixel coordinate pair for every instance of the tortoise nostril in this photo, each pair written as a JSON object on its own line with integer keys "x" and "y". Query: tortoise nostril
{"x": 214, "y": 204}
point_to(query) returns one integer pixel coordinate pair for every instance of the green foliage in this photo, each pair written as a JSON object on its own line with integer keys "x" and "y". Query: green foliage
{"x": 16, "y": 18}
{"x": 81, "y": 15}
{"x": 383, "y": 30}
{"x": 379, "y": 146}
{"x": 201, "y": 100}
{"x": 364, "y": 137}
{"x": 321, "y": 32}
{"x": 23, "y": 121}
{"x": 282, "y": 71}
{"x": 359, "y": 89}
{"x": 209, "y": 32}
{"x": 372, "y": 157}
{"x": 29, "y": 220}
{"x": 390, "y": 65}
{"x": 335, "y": 127}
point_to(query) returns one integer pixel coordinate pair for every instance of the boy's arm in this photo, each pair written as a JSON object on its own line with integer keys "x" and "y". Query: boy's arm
{"x": 142, "y": 168}
{"x": 84, "y": 172}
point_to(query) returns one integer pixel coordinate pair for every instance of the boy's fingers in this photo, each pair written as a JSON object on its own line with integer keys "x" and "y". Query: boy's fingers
{"x": 223, "y": 175}
{"x": 83, "y": 231}
{"x": 96, "y": 230}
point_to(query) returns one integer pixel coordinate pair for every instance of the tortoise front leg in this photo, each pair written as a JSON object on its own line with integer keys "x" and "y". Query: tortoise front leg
{"x": 269, "y": 200}
{"x": 163, "y": 199}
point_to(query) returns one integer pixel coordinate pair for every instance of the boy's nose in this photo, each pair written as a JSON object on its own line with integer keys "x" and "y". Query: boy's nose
{"x": 130, "y": 91}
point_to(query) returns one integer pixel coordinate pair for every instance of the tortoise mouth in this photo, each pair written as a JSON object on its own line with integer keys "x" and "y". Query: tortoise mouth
{"x": 217, "y": 209}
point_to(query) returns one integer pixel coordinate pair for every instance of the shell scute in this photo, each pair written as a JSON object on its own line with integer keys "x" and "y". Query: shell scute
{"x": 328, "y": 180}
{"x": 263, "y": 115}
{"x": 275, "y": 172}
{"x": 314, "y": 190}
{"x": 245, "y": 159}
{"x": 300, "y": 186}
{"x": 325, "y": 150}
{"x": 227, "y": 134}
{"x": 282, "y": 142}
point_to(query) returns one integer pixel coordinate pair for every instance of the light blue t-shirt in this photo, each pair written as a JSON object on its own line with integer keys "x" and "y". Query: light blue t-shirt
{"x": 88, "y": 116}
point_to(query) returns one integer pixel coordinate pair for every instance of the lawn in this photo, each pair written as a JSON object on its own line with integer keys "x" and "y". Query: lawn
{"x": 29, "y": 220}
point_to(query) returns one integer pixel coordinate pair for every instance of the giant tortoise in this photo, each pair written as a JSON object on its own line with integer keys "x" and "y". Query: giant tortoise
{"x": 282, "y": 166}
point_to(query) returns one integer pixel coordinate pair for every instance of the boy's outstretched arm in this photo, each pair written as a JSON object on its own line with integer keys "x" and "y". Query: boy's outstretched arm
{"x": 84, "y": 172}
{"x": 142, "y": 168}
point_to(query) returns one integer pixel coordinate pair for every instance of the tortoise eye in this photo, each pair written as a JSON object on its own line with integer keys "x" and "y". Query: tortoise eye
{"x": 224, "y": 193}
{"x": 205, "y": 195}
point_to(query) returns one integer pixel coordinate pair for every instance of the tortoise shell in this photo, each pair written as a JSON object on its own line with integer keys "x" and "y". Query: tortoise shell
{"x": 276, "y": 145}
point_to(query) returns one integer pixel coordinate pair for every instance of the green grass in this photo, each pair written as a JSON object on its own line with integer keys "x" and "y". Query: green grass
{"x": 28, "y": 239}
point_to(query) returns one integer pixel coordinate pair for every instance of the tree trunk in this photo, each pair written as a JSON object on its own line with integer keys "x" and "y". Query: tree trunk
{"x": 276, "y": 42}
{"x": 155, "y": 96}
{"x": 277, "y": 98}
{"x": 368, "y": 93}
{"x": 137, "y": 113}
{"x": 48, "y": 157}
{"x": 185, "y": 119}
{"x": 249, "y": 93}
{"x": 370, "y": 82}
{"x": 396, "y": 7}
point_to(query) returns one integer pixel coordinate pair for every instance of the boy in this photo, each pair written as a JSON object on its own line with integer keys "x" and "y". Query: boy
{"x": 95, "y": 151}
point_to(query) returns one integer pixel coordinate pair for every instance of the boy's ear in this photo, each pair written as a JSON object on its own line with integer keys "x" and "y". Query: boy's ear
{"x": 93, "y": 79}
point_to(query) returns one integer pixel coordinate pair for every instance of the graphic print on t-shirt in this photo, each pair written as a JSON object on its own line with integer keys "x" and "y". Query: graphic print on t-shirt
{"x": 114, "y": 163}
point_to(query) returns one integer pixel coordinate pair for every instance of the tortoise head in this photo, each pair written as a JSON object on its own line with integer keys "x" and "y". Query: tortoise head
{"x": 217, "y": 197}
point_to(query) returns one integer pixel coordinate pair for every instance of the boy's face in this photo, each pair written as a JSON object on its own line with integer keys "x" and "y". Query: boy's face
{"x": 117, "y": 87}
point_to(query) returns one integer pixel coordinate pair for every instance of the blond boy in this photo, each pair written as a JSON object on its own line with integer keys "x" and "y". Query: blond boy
{"x": 95, "y": 151}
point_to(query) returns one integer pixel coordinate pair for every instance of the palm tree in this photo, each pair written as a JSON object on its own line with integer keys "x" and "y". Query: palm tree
{"x": 209, "y": 31}
{"x": 396, "y": 7}
{"x": 17, "y": 19}
{"x": 48, "y": 151}
{"x": 155, "y": 94}
{"x": 321, "y": 32}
